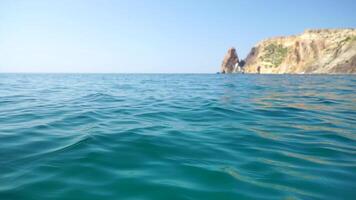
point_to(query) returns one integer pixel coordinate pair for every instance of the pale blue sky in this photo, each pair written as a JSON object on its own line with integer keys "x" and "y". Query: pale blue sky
{"x": 150, "y": 36}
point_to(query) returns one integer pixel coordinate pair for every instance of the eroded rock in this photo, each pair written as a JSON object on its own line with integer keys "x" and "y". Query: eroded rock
{"x": 230, "y": 61}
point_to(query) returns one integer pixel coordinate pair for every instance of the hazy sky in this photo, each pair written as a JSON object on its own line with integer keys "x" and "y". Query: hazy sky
{"x": 150, "y": 36}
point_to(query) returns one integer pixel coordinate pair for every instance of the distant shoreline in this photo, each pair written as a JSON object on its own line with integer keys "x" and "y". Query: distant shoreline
{"x": 320, "y": 51}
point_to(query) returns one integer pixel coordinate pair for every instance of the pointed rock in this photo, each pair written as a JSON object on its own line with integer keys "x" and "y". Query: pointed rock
{"x": 229, "y": 61}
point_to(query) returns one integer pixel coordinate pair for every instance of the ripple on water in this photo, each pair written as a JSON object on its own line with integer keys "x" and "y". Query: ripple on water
{"x": 121, "y": 136}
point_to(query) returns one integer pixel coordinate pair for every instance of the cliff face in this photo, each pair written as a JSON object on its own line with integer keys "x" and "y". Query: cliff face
{"x": 229, "y": 61}
{"x": 314, "y": 51}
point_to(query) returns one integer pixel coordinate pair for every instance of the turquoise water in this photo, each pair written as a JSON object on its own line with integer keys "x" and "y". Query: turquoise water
{"x": 121, "y": 136}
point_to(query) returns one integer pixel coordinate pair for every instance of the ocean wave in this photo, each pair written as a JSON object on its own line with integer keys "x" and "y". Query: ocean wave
{"x": 177, "y": 137}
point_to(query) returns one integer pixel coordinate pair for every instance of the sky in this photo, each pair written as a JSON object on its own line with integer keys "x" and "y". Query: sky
{"x": 150, "y": 36}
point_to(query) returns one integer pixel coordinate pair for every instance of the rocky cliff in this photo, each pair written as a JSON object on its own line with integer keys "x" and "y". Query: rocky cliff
{"x": 329, "y": 51}
{"x": 229, "y": 61}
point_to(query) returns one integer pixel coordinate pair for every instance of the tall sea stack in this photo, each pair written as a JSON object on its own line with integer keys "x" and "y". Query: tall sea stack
{"x": 229, "y": 61}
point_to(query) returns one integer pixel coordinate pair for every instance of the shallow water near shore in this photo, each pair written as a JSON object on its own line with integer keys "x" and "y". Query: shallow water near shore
{"x": 178, "y": 136}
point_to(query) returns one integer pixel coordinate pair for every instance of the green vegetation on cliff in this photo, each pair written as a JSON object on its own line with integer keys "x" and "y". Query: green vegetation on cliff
{"x": 325, "y": 51}
{"x": 350, "y": 38}
{"x": 273, "y": 54}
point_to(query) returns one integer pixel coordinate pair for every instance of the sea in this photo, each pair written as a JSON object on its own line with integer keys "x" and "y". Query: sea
{"x": 177, "y": 136}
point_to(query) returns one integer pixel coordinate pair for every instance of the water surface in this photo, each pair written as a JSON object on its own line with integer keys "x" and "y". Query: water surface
{"x": 122, "y": 136}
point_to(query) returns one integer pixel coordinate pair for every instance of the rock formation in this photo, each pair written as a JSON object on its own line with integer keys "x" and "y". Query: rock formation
{"x": 330, "y": 51}
{"x": 229, "y": 61}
